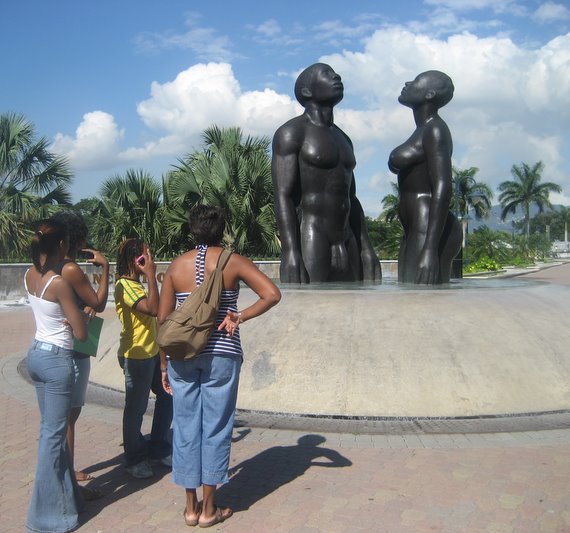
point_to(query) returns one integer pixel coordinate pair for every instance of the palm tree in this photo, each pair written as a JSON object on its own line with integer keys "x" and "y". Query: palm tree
{"x": 130, "y": 206}
{"x": 486, "y": 243}
{"x": 32, "y": 181}
{"x": 234, "y": 174}
{"x": 563, "y": 213}
{"x": 391, "y": 204}
{"x": 524, "y": 190}
{"x": 470, "y": 193}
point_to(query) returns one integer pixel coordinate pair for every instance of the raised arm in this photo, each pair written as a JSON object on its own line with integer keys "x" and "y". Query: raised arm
{"x": 437, "y": 146}
{"x": 148, "y": 305}
{"x": 73, "y": 273}
{"x": 287, "y": 188}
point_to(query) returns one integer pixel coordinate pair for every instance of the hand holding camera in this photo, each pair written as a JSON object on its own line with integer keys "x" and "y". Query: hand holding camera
{"x": 93, "y": 256}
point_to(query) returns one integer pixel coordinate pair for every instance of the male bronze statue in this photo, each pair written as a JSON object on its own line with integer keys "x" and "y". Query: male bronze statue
{"x": 322, "y": 228}
{"x": 432, "y": 234}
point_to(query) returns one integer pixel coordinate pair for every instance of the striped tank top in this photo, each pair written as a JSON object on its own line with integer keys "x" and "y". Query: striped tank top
{"x": 219, "y": 342}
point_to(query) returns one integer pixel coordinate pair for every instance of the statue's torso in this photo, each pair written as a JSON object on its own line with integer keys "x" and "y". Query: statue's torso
{"x": 326, "y": 164}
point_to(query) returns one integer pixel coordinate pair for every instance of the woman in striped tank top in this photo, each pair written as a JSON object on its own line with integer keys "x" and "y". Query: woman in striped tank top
{"x": 204, "y": 389}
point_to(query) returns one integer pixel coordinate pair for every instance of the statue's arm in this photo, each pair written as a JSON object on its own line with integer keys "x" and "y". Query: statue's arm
{"x": 437, "y": 148}
{"x": 371, "y": 269}
{"x": 287, "y": 190}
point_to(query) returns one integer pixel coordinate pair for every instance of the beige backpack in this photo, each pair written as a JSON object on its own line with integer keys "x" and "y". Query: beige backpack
{"x": 186, "y": 330}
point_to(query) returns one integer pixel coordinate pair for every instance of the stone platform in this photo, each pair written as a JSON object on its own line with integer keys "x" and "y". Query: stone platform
{"x": 488, "y": 348}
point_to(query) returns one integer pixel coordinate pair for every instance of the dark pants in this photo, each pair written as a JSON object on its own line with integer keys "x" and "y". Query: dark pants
{"x": 141, "y": 377}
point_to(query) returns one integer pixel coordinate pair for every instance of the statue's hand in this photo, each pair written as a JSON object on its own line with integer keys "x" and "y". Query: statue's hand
{"x": 428, "y": 268}
{"x": 292, "y": 268}
{"x": 371, "y": 269}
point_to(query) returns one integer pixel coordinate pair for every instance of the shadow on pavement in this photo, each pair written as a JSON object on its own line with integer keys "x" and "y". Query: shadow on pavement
{"x": 115, "y": 484}
{"x": 254, "y": 479}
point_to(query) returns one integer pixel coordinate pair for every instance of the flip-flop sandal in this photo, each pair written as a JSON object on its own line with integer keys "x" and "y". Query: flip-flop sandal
{"x": 219, "y": 517}
{"x": 90, "y": 494}
{"x": 195, "y": 521}
{"x": 81, "y": 476}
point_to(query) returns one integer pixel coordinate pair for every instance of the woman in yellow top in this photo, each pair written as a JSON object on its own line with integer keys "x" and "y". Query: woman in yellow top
{"x": 138, "y": 356}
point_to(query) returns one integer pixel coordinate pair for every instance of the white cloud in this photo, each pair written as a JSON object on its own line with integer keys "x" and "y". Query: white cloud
{"x": 95, "y": 144}
{"x": 203, "y": 41}
{"x": 271, "y": 33}
{"x": 376, "y": 124}
{"x": 269, "y": 28}
{"x": 337, "y": 32}
{"x": 551, "y": 12}
{"x": 511, "y": 104}
{"x": 209, "y": 94}
{"x": 182, "y": 109}
{"x": 497, "y": 6}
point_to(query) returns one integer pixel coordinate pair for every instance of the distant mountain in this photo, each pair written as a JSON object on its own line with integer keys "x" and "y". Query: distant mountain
{"x": 494, "y": 221}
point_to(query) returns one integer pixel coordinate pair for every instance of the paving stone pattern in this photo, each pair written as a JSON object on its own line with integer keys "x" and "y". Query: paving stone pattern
{"x": 405, "y": 479}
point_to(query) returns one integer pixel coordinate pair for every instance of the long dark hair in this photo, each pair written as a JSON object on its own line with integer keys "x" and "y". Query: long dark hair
{"x": 128, "y": 251}
{"x": 77, "y": 229}
{"x": 47, "y": 238}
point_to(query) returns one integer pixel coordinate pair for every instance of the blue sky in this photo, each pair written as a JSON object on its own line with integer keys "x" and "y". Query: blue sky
{"x": 131, "y": 84}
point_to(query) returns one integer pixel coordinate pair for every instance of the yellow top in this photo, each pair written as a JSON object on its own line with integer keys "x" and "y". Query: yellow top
{"x": 138, "y": 336}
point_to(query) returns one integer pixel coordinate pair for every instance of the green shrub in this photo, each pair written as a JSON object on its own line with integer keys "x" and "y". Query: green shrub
{"x": 519, "y": 261}
{"x": 485, "y": 264}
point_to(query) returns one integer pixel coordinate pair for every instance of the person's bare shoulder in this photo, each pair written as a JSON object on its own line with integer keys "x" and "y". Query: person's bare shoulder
{"x": 181, "y": 262}
{"x": 59, "y": 284}
{"x": 71, "y": 268}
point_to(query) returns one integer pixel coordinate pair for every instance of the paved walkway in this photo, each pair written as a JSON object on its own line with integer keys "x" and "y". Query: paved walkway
{"x": 301, "y": 481}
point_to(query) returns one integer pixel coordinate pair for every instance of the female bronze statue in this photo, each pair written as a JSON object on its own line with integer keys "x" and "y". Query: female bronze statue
{"x": 432, "y": 234}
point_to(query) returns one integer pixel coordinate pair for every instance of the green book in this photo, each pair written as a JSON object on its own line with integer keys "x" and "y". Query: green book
{"x": 89, "y": 346}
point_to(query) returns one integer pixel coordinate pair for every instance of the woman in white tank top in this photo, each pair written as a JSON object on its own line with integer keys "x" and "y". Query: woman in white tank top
{"x": 56, "y": 498}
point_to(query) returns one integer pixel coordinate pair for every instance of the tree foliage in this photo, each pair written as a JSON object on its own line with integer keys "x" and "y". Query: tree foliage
{"x": 486, "y": 243}
{"x": 232, "y": 173}
{"x": 525, "y": 190}
{"x": 130, "y": 206}
{"x": 557, "y": 221}
{"x": 470, "y": 194}
{"x": 385, "y": 236}
{"x": 32, "y": 181}
{"x": 391, "y": 205}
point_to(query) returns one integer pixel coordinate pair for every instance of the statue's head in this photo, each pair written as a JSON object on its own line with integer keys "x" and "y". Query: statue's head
{"x": 319, "y": 83}
{"x": 430, "y": 86}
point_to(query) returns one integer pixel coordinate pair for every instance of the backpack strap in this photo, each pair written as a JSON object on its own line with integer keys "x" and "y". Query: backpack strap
{"x": 223, "y": 259}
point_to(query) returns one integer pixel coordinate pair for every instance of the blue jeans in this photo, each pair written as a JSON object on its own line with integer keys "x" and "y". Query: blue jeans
{"x": 56, "y": 499}
{"x": 82, "y": 366}
{"x": 142, "y": 376}
{"x": 205, "y": 393}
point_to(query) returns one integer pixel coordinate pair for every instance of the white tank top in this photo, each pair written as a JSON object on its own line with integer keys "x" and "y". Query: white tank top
{"x": 50, "y": 326}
